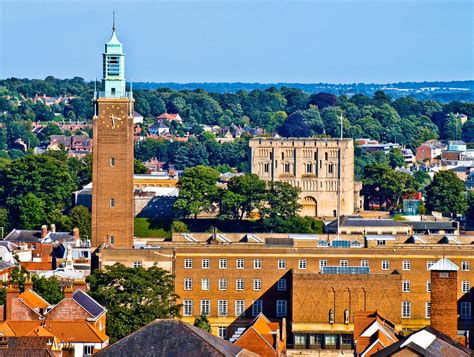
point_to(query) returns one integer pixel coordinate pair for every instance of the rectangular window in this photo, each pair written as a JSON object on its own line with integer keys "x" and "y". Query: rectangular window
{"x": 385, "y": 265}
{"x": 465, "y": 311}
{"x": 428, "y": 286}
{"x": 221, "y": 307}
{"x": 222, "y": 332}
{"x": 322, "y": 263}
{"x": 381, "y": 242}
{"x": 364, "y": 263}
{"x": 188, "y": 284}
{"x": 344, "y": 263}
{"x": 257, "y": 307}
{"x": 406, "y": 286}
{"x": 281, "y": 263}
{"x": 222, "y": 263}
{"x": 88, "y": 350}
{"x": 239, "y": 284}
{"x": 112, "y": 161}
{"x": 406, "y": 309}
{"x": 257, "y": 284}
{"x": 240, "y": 264}
{"x": 257, "y": 264}
{"x": 302, "y": 264}
{"x": 406, "y": 265}
{"x": 330, "y": 339}
{"x": 428, "y": 310}
{"x": 112, "y": 202}
{"x": 239, "y": 307}
{"x": 300, "y": 340}
{"x": 429, "y": 264}
{"x": 281, "y": 286}
{"x": 136, "y": 264}
{"x": 281, "y": 308}
{"x": 205, "y": 285}
{"x": 188, "y": 263}
{"x": 187, "y": 308}
{"x": 465, "y": 266}
{"x": 205, "y": 307}
{"x": 222, "y": 284}
{"x": 266, "y": 167}
{"x": 112, "y": 240}
{"x": 205, "y": 263}
{"x": 465, "y": 286}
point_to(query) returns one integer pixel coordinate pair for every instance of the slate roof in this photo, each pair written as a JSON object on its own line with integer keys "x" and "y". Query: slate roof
{"x": 363, "y": 222}
{"x": 88, "y": 303}
{"x": 23, "y": 235}
{"x": 172, "y": 338}
{"x": 428, "y": 225}
{"x": 437, "y": 345}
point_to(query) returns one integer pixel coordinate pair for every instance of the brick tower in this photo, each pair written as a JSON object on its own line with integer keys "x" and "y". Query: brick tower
{"x": 112, "y": 178}
{"x": 444, "y": 306}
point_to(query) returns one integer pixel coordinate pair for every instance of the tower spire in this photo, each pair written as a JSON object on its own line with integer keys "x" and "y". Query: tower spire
{"x": 113, "y": 20}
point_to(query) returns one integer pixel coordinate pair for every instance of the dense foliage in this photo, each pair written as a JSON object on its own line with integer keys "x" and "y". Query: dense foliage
{"x": 446, "y": 194}
{"x": 133, "y": 297}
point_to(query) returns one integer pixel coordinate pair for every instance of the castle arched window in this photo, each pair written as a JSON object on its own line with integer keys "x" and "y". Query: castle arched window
{"x": 266, "y": 167}
{"x": 287, "y": 167}
{"x": 331, "y": 169}
{"x": 309, "y": 168}
{"x": 326, "y": 156}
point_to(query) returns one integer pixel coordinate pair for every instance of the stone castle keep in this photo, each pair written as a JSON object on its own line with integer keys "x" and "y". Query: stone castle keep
{"x": 313, "y": 165}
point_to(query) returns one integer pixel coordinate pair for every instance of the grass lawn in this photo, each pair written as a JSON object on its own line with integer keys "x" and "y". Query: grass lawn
{"x": 149, "y": 228}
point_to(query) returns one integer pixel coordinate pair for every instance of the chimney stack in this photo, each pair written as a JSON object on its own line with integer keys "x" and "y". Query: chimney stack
{"x": 28, "y": 284}
{"x": 444, "y": 307}
{"x": 44, "y": 231}
{"x": 11, "y": 294}
{"x": 68, "y": 291}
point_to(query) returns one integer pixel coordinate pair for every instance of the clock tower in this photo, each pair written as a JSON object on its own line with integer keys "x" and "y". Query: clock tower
{"x": 112, "y": 172}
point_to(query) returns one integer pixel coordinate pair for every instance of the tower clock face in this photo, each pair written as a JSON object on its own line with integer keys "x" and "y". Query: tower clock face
{"x": 112, "y": 117}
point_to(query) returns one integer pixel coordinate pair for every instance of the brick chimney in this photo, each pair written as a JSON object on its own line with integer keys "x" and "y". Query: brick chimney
{"x": 79, "y": 284}
{"x": 11, "y": 294}
{"x": 444, "y": 306}
{"x": 28, "y": 284}
{"x": 68, "y": 291}
{"x": 44, "y": 230}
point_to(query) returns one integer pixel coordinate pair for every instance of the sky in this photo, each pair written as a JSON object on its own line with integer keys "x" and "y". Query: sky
{"x": 267, "y": 41}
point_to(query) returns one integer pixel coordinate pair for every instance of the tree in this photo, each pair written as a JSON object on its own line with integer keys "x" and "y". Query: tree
{"x": 18, "y": 277}
{"x": 396, "y": 158}
{"x": 47, "y": 180}
{"x": 468, "y": 131}
{"x": 198, "y": 191}
{"x": 203, "y": 323}
{"x": 179, "y": 227}
{"x": 48, "y": 288}
{"x": 323, "y": 100}
{"x": 133, "y": 297}
{"x": 281, "y": 201}
{"x": 422, "y": 179}
{"x": 31, "y": 211}
{"x": 446, "y": 194}
{"x": 4, "y": 220}
{"x": 302, "y": 123}
{"x": 80, "y": 217}
{"x": 139, "y": 167}
{"x": 244, "y": 194}
{"x": 470, "y": 205}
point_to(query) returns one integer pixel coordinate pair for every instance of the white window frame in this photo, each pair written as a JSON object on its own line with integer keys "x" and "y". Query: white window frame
{"x": 205, "y": 307}
{"x": 281, "y": 285}
{"x": 385, "y": 264}
{"x": 323, "y": 263}
{"x": 429, "y": 264}
{"x": 222, "y": 332}
{"x": 257, "y": 263}
{"x": 281, "y": 308}
{"x": 257, "y": 284}
{"x": 136, "y": 264}
{"x": 364, "y": 263}
{"x": 206, "y": 264}
{"x": 240, "y": 264}
{"x": 257, "y": 307}
{"x": 222, "y": 284}
{"x": 222, "y": 308}
{"x": 281, "y": 263}
{"x": 406, "y": 265}
{"x": 406, "y": 286}
{"x": 344, "y": 263}
{"x": 239, "y": 282}
{"x": 465, "y": 266}
{"x": 187, "y": 307}
{"x": 465, "y": 311}
{"x": 302, "y": 264}
{"x": 406, "y": 309}
{"x": 205, "y": 284}
{"x": 465, "y": 286}
{"x": 428, "y": 309}
{"x": 239, "y": 307}
{"x": 222, "y": 263}
{"x": 188, "y": 283}
{"x": 428, "y": 286}
{"x": 112, "y": 202}
{"x": 88, "y": 350}
{"x": 188, "y": 263}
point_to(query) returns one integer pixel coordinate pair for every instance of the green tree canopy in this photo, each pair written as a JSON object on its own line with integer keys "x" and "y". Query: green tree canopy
{"x": 446, "y": 194}
{"x": 203, "y": 323}
{"x": 396, "y": 158}
{"x": 48, "y": 288}
{"x": 80, "y": 217}
{"x": 133, "y": 297}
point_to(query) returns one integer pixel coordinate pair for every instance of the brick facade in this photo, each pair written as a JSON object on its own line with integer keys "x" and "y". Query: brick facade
{"x": 444, "y": 310}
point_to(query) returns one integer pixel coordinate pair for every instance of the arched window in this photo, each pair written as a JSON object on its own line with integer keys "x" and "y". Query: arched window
{"x": 325, "y": 156}
{"x": 287, "y": 167}
{"x": 331, "y": 169}
{"x": 309, "y": 168}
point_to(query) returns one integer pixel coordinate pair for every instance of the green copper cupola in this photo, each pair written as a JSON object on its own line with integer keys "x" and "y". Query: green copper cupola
{"x": 113, "y": 82}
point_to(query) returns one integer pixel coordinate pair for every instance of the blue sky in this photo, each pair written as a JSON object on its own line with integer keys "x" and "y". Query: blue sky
{"x": 242, "y": 40}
